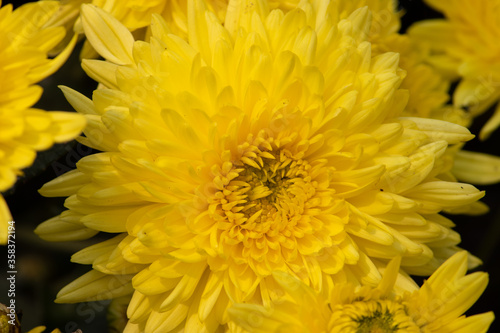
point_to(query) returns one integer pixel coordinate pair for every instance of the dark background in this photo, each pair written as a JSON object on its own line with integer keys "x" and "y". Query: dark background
{"x": 44, "y": 268}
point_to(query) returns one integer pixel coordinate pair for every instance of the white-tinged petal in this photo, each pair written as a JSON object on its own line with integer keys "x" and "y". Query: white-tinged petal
{"x": 442, "y": 130}
{"x": 95, "y": 286}
{"x": 476, "y": 168}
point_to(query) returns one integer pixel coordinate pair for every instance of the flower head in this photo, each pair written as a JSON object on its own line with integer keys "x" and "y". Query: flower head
{"x": 464, "y": 45}
{"x": 428, "y": 90}
{"x": 273, "y": 142}
{"x": 24, "y": 45}
{"x": 436, "y": 307}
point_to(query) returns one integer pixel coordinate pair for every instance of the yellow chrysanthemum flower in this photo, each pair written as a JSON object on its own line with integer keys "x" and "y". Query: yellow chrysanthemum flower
{"x": 436, "y": 307}
{"x": 24, "y": 44}
{"x": 465, "y": 44}
{"x": 272, "y": 142}
{"x": 428, "y": 89}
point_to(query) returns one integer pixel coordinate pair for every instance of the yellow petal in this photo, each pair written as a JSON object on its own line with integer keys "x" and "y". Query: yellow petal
{"x": 437, "y": 195}
{"x": 53, "y": 65}
{"x": 477, "y": 323}
{"x": 390, "y": 276}
{"x": 66, "y": 125}
{"x": 448, "y": 293}
{"x": 89, "y": 254}
{"x": 65, "y": 185}
{"x": 167, "y": 321}
{"x": 95, "y": 286}
{"x": 101, "y": 71}
{"x": 442, "y": 130}
{"x": 107, "y": 35}
{"x": 112, "y": 220}
{"x": 491, "y": 125}
{"x": 210, "y": 295}
{"x": 476, "y": 168}
{"x": 78, "y": 101}
{"x": 5, "y": 217}
{"x": 184, "y": 288}
{"x": 58, "y": 230}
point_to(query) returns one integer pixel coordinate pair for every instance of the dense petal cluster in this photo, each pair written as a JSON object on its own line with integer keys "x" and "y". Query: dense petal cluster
{"x": 274, "y": 142}
{"x": 428, "y": 88}
{"x": 24, "y": 45}
{"x": 436, "y": 307}
{"x": 464, "y": 45}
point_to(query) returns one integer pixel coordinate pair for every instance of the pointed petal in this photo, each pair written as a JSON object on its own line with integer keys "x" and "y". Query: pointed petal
{"x": 94, "y": 286}
{"x": 107, "y": 35}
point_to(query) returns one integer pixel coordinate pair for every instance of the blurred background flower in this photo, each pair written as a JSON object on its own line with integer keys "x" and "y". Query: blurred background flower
{"x": 25, "y": 45}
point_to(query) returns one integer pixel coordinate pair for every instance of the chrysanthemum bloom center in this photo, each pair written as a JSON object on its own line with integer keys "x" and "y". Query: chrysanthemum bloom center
{"x": 269, "y": 192}
{"x": 381, "y": 316}
{"x": 276, "y": 183}
{"x": 270, "y": 203}
{"x": 268, "y": 185}
{"x": 377, "y": 322}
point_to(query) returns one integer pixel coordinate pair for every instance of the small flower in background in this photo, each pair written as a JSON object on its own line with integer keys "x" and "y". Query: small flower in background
{"x": 10, "y": 323}
{"x": 273, "y": 142}
{"x": 465, "y": 45}
{"x": 428, "y": 91}
{"x": 436, "y": 307}
{"x": 25, "y": 42}
{"x": 116, "y": 314}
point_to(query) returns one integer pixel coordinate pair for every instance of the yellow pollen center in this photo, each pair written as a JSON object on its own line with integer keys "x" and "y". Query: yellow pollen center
{"x": 377, "y": 322}
{"x": 270, "y": 205}
{"x": 377, "y": 316}
{"x": 275, "y": 187}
